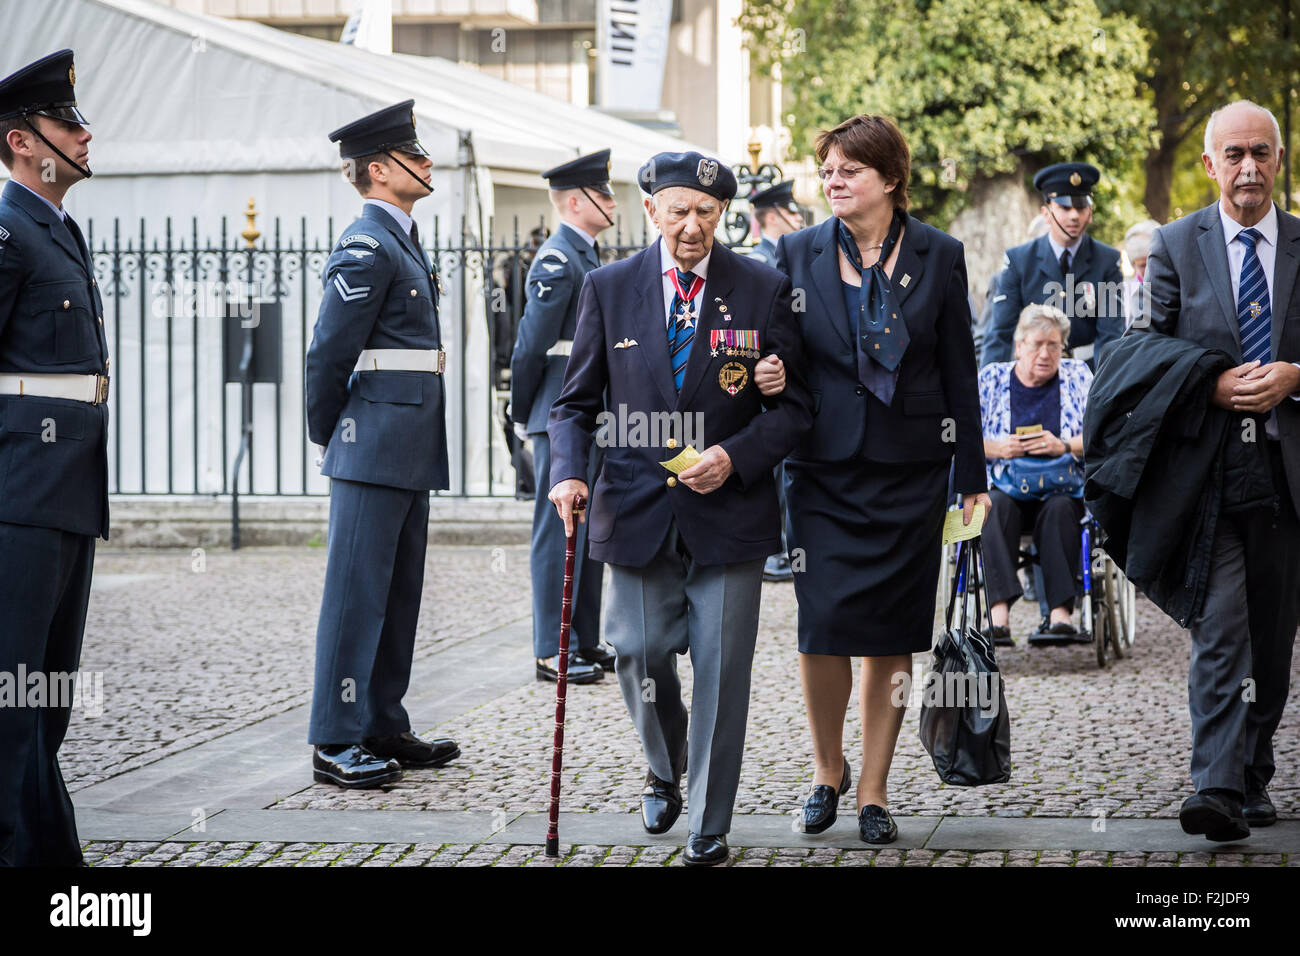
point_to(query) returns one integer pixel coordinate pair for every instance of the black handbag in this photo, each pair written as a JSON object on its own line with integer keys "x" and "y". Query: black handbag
{"x": 965, "y": 727}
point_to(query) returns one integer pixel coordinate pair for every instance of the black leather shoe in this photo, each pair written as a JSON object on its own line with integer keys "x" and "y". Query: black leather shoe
{"x": 819, "y": 808}
{"x": 661, "y": 804}
{"x": 705, "y": 850}
{"x": 875, "y": 825}
{"x": 1259, "y": 810}
{"x": 777, "y": 568}
{"x": 1216, "y": 813}
{"x": 410, "y": 751}
{"x": 580, "y": 672}
{"x": 601, "y": 654}
{"x": 353, "y": 767}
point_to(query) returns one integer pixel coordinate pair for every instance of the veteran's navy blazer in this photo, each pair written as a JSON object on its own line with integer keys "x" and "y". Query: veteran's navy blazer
{"x": 632, "y": 503}
{"x": 935, "y": 413}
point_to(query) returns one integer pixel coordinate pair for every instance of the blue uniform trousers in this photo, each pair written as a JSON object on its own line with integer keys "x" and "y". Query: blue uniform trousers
{"x": 547, "y": 564}
{"x": 366, "y": 636}
{"x": 44, "y": 590}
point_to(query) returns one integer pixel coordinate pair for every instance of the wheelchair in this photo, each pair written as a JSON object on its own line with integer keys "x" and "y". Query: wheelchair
{"x": 1104, "y": 598}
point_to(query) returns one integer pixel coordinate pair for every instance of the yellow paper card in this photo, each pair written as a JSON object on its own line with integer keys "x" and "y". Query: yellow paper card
{"x": 688, "y": 457}
{"x": 954, "y": 530}
{"x": 1028, "y": 429}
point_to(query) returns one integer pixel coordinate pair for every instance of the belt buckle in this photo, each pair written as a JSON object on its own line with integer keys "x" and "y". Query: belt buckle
{"x": 101, "y": 389}
{"x": 442, "y": 361}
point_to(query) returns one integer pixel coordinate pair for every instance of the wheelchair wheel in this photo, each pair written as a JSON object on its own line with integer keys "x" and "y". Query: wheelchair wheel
{"x": 1112, "y": 610}
{"x": 1125, "y": 606}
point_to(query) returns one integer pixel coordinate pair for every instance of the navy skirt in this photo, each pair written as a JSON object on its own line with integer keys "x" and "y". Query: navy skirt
{"x": 868, "y": 534}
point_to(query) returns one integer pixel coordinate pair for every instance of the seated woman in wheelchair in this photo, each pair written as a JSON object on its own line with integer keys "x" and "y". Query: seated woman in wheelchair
{"x": 1032, "y": 415}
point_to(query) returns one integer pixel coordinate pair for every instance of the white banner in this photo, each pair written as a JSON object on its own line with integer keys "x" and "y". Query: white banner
{"x": 370, "y": 27}
{"x": 632, "y": 46}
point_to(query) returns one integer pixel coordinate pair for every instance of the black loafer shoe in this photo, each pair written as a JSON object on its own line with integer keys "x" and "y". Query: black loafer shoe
{"x": 353, "y": 767}
{"x": 1000, "y": 635}
{"x": 410, "y": 751}
{"x": 705, "y": 850}
{"x": 1259, "y": 810}
{"x": 819, "y": 808}
{"x": 601, "y": 654}
{"x": 1216, "y": 813}
{"x": 777, "y": 568}
{"x": 579, "y": 672}
{"x": 661, "y": 804}
{"x": 875, "y": 825}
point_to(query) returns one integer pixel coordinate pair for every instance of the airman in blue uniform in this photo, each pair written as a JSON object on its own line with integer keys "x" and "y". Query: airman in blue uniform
{"x": 53, "y": 452}
{"x": 1066, "y": 268}
{"x": 582, "y": 196}
{"x": 376, "y": 404}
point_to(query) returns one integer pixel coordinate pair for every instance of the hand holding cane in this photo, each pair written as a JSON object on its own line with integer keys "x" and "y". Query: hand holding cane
{"x": 561, "y": 684}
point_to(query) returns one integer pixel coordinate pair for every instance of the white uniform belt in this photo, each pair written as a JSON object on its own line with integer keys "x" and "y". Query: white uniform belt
{"x": 401, "y": 360}
{"x": 1083, "y": 352}
{"x": 78, "y": 388}
{"x": 562, "y": 347}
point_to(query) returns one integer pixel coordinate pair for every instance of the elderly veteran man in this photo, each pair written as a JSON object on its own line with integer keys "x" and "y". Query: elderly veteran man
{"x": 376, "y": 401}
{"x": 53, "y": 449}
{"x": 1224, "y": 278}
{"x": 583, "y": 199}
{"x": 674, "y": 334}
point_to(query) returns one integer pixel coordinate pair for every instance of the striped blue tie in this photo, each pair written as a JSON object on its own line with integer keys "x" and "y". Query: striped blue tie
{"x": 1253, "y": 311}
{"x": 680, "y": 335}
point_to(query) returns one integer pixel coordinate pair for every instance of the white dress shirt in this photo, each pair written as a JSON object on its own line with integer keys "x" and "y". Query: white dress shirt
{"x": 666, "y": 266}
{"x": 1266, "y": 249}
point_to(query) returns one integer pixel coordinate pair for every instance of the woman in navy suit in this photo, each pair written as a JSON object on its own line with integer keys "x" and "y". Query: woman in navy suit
{"x": 891, "y": 366}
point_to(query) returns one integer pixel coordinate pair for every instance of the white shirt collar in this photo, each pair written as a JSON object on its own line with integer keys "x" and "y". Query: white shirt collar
{"x": 1057, "y": 248}
{"x": 666, "y": 262}
{"x": 1266, "y": 227}
{"x": 399, "y": 215}
{"x": 57, "y": 211}
{"x": 590, "y": 240}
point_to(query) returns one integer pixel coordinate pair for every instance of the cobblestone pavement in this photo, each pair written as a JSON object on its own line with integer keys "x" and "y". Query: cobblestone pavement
{"x": 1084, "y": 740}
{"x": 188, "y": 655}
{"x": 494, "y": 854}
{"x": 193, "y": 645}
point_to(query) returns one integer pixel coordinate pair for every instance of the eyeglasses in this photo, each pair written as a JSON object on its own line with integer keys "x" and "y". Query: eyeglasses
{"x": 846, "y": 172}
{"x": 1053, "y": 348}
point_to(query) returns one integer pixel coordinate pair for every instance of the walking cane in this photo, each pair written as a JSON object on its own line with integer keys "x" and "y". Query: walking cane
{"x": 561, "y": 683}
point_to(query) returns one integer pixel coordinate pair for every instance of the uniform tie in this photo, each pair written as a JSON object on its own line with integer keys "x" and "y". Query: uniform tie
{"x": 1065, "y": 262}
{"x": 681, "y": 328}
{"x": 1253, "y": 311}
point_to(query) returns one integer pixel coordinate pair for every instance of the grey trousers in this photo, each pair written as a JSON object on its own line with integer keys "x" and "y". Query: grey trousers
{"x": 1241, "y": 645}
{"x": 669, "y": 607}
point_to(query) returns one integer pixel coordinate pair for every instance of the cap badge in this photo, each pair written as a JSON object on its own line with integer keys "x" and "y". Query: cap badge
{"x": 1075, "y": 179}
{"x": 707, "y": 172}
{"x": 72, "y": 76}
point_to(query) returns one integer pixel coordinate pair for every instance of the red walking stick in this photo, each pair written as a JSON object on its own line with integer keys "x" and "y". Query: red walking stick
{"x": 561, "y": 683}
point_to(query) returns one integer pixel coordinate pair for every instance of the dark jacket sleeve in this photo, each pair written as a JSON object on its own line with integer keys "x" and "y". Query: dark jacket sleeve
{"x": 957, "y": 366}
{"x": 1161, "y": 301}
{"x": 1110, "y": 325}
{"x": 757, "y": 448}
{"x": 1007, "y": 304}
{"x": 355, "y": 292}
{"x": 548, "y": 297}
{"x": 582, "y": 398}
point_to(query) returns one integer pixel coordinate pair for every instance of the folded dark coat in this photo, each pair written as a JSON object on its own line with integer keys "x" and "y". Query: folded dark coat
{"x": 1162, "y": 463}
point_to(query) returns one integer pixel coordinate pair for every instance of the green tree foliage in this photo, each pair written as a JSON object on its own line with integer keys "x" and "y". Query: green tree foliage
{"x": 980, "y": 88}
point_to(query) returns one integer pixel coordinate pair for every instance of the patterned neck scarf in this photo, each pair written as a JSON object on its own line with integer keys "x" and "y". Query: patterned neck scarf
{"x": 881, "y": 332}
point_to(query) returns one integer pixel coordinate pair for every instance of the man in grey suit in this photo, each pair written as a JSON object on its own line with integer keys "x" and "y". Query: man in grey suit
{"x": 584, "y": 199}
{"x": 1225, "y": 278}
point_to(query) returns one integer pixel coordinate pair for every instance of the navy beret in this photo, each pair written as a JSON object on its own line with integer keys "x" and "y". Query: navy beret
{"x": 693, "y": 170}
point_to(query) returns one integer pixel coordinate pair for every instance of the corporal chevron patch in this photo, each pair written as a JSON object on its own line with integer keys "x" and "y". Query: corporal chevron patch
{"x": 4, "y": 233}
{"x": 347, "y": 293}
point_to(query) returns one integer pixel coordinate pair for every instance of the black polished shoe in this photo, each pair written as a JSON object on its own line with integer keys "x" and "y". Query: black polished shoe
{"x": 875, "y": 825}
{"x": 579, "y": 672}
{"x": 705, "y": 850}
{"x": 661, "y": 804}
{"x": 353, "y": 767}
{"x": 410, "y": 751}
{"x": 1259, "y": 810}
{"x": 601, "y": 654}
{"x": 819, "y": 808}
{"x": 777, "y": 568}
{"x": 1216, "y": 813}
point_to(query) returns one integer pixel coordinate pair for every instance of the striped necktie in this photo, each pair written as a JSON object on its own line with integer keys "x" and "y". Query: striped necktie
{"x": 681, "y": 330}
{"x": 1253, "y": 311}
